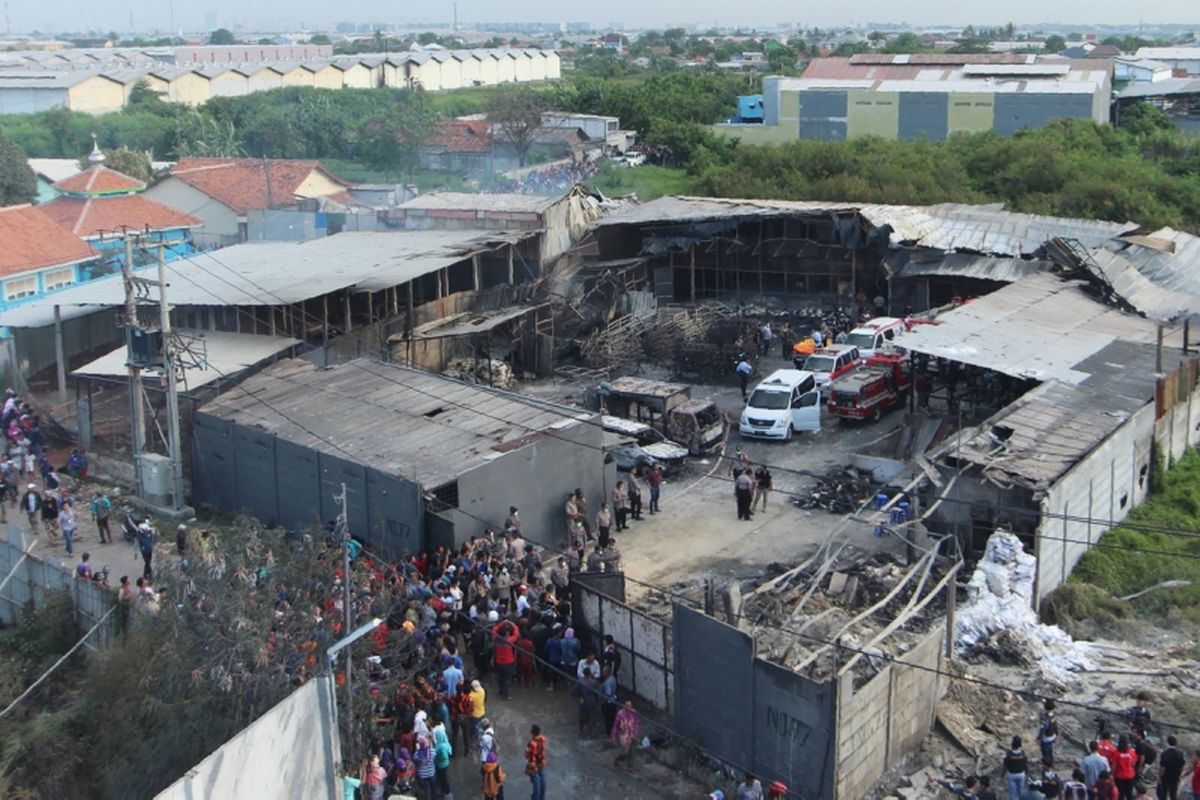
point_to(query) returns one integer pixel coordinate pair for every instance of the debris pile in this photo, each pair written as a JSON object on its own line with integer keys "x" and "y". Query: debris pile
{"x": 817, "y": 619}
{"x": 839, "y": 492}
{"x": 489, "y": 372}
{"x": 998, "y": 619}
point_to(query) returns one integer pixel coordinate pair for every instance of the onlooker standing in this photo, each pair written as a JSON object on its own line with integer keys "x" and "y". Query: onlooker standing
{"x": 1170, "y": 769}
{"x": 743, "y": 488}
{"x": 1016, "y": 769}
{"x": 66, "y": 521}
{"x": 767, "y": 335}
{"x": 762, "y": 487}
{"x": 635, "y": 495}
{"x": 654, "y": 479}
{"x": 603, "y": 523}
{"x": 750, "y": 789}
{"x": 625, "y": 731}
{"x": 1048, "y": 730}
{"x": 31, "y": 504}
{"x": 181, "y": 535}
{"x": 493, "y": 777}
{"x": 101, "y": 510}
{"x": 535, "y": 763}
{"x": 620, "y": 504}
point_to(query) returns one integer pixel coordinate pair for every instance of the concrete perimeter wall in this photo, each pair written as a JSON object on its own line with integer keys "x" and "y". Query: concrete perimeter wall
{"x": 34, "y": 578}
{"x": 290, "y": 752}
{"x": 885, "y": 719}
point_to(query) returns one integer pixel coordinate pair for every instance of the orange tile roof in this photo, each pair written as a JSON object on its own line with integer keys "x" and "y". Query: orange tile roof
{"x": 30, "y": 239}
{"x": 241, "y": 183}
{"x": 99, "y": 179}
{"x": 463, "y": 136}
{"x": 93, "y": 216}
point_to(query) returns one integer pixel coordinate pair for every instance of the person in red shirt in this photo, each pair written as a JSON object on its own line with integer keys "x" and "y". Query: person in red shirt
{"x": 1105, "y": 788}
{"x": 1125, "y": 768}
{"x": 1196, "y": 774}
{"x": 504, "y": 654}
{"x": 525, "y": 663}
{"x": 1106, "y": 748}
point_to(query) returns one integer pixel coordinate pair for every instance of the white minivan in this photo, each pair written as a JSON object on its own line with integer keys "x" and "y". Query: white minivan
{"x": 786, "y": 402}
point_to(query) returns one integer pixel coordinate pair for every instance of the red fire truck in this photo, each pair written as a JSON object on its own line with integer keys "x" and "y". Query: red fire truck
{"x": 870, "y": 390}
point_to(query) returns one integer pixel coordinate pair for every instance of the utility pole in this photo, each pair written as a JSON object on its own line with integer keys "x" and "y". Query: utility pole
{"x": 137, "y": 417}
{"x": 342, "y": 532}
{"x": 174, "y": 441}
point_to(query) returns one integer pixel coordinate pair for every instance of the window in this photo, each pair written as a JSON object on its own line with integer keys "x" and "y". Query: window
{"x": 20, "y": 287}
{"x": 58, "y": 278}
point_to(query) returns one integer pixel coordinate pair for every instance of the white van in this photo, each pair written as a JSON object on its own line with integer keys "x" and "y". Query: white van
{"x": 871, "y": 336}
{"x": 787, "y": 401}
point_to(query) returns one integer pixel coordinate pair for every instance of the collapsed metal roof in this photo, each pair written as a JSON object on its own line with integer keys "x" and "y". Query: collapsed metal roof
{"x": 1045, "y": 328}
{"x": 986, "y": 229}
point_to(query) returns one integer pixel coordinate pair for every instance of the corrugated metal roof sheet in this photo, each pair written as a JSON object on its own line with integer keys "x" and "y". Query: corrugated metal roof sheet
{"x": 1040, "y": 327}
{"x": 225, "y": 355}
{"x": 439, "y": 428}
{"x": 276, "y": 273}
{"x": 1171, "y": 86}
{"x": 466, "y": 201}
{"x": 1036, "y": 439}
{"x": 965, "y": 265}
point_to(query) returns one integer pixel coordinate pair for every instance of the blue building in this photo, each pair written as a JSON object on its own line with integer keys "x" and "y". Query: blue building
{"x": 101, "y": 205}
{"x": 38, "y": 256}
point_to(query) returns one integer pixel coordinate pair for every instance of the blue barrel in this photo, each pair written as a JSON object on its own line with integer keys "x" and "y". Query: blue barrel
{"x": 881, "y": 531}
{"x": 881, "y": 500}
{"x": 905, "y": 508}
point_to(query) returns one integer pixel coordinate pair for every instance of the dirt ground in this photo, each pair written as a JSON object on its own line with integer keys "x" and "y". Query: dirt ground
{"x": 698, "y": 534}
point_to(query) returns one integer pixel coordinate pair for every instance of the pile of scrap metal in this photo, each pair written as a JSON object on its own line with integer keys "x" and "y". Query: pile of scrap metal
{"x": 487, "y": 371}
{"x": 842, "y": 491}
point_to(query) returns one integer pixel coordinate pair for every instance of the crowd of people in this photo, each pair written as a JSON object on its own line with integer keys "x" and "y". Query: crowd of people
{"x": 460, "y": 630}
{"x": 557, "y": 177}
{"x": 1124, "y": 769}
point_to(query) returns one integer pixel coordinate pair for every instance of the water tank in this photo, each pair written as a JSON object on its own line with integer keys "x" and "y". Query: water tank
{"x": 156, "y": 478}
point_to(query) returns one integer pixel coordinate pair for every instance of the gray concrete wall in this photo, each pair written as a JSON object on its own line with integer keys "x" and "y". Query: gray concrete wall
{"x": 91, "y": 333}
{"x": 292, "y": 751}
{"x": 536, "y": 478}
{"x": 236, "y": 468}
{"x": 886, "y": 718}
{"x": 714, "y": 684}
{"x": 794, "y": 731}
{"x": 1106, "y": 485}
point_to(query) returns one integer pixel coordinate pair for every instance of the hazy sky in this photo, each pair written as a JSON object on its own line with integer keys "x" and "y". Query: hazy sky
{"x": 193, "y": 15}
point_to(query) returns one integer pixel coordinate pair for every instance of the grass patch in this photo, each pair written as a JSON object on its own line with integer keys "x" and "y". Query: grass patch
{"x": 647, "y": 182}
{"x": 1134, "y": 559}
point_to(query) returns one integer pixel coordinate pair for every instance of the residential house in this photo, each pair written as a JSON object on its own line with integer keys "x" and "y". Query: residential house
{"x": 38, "y": 255}
{"x": 222, "y": 191}
{"x": 614, "y": 42}
{"x": 100, "y": 205}
{"x": 461, "y": 146}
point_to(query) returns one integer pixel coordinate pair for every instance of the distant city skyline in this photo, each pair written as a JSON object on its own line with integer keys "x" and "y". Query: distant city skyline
{"x": 154, "y": 15}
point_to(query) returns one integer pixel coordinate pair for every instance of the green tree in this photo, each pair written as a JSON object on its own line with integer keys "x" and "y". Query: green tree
{"x": 143, "y": 98}
{"x": 906, "y": 42}
{"x": 320, "y": 38}
{"x": 515, "y": 111}
{"x": 1055, "y": 43}
{"x": 133, "y": 163}
{"x": 266, "y": 40}
{"x": 392, "y": 142}
{"x": 18, "y": 184}
{"x": 222, "y": 36}
{"x": 428, "y": 38}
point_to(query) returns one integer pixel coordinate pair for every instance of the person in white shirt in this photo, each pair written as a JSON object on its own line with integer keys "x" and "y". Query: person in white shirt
{"x": 588, "y": 666}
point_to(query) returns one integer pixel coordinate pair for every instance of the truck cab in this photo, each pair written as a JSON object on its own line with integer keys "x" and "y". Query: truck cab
{"x": 873, "y": 335}
{"x": 830, "y": 363}
{"x": 786, "y": 402}
{"x": 669, "y": 408}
